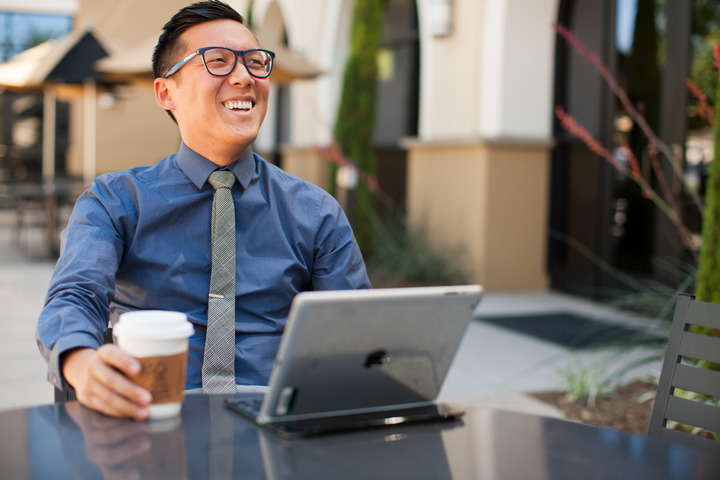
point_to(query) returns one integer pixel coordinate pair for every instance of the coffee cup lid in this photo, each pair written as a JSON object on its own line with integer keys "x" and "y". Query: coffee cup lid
{"x": 153, "y": 324}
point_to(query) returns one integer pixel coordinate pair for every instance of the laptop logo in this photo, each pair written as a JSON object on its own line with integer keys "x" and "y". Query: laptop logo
{"x": 376, "y": 358}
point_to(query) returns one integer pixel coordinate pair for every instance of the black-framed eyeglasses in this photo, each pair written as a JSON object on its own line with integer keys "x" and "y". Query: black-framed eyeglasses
{"x": 220, "y": 61}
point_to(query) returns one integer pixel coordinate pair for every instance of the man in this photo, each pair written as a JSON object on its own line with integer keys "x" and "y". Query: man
{"x": 140, "y": 239}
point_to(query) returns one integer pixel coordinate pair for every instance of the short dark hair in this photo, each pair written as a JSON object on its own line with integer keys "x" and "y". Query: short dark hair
{"x": 169, "y": 47}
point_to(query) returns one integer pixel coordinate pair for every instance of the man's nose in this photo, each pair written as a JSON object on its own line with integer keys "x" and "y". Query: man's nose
{"x": 240, "y": 73}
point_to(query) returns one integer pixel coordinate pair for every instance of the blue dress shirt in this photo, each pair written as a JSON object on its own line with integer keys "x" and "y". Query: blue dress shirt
{"x": 140, "y": 239}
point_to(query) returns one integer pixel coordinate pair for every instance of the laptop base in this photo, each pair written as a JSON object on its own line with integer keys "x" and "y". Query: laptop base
{"x": 433, "y": 412}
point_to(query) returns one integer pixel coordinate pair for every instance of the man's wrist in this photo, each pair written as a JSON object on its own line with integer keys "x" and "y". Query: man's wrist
{"x": 69, "y": 360}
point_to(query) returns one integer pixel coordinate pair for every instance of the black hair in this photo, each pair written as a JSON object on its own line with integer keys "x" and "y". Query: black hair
{"x": 169, "y": 46}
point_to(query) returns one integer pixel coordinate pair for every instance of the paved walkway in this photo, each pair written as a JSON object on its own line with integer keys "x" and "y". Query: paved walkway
{"x": 494, "y": 367}
{"x": 23, "y": 284}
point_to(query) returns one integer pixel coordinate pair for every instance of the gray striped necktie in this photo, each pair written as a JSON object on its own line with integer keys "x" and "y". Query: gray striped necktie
{"x": 218, "y": 369}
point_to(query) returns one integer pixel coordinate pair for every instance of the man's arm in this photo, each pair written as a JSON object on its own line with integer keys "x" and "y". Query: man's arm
{"x": 100, "y": 380}
{"x": 72, "y": 325}
{"x": 338, "y": 262}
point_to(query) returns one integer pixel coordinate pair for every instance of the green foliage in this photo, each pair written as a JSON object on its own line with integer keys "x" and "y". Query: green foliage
{"x": 708, "y": 276}
{"x": 655, "y": 299}
{"x": 403, "y": 256}
{"x": 700, "y": 398}
{"x": 706, "y": 33}
{"x": 249, "y": 16}
{"x": 587, "y": 382}
{"x": 356, "y": 115}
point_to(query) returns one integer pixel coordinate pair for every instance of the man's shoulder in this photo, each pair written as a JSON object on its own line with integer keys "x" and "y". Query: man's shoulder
{"x": 289, "y": 182}
{"x": 142, "y": 174}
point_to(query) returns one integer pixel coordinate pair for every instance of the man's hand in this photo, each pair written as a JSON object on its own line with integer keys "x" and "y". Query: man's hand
{"x": 100, "y": 379}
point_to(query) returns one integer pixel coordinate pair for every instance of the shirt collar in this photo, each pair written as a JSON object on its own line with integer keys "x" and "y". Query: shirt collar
{"x": 198, "y": 168}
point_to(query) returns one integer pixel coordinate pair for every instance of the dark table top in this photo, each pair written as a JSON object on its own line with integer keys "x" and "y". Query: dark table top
{"x": 208, "y": 441}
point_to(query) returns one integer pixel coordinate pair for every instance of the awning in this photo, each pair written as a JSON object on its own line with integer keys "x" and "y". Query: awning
{"x": 66, "y": 60}
{"x": 134, "y": 64}
{"x": 289, "y": 66}
{"x": 129, "y": 65}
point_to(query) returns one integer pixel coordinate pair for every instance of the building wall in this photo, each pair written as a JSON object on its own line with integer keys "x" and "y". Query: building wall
{"x": 478, "y": 169}
{"x": 487, "y": 201}
{"x": 485, "y": 138}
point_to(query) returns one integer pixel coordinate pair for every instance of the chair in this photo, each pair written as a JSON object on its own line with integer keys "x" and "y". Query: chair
{"x": 684, "y": 344}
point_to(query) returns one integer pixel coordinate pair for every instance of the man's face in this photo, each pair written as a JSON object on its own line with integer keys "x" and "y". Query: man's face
{"x": 219, "y": 117}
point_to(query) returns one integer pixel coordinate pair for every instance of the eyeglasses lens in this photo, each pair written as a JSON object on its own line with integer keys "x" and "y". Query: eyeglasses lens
{"x": 221, "y": 61}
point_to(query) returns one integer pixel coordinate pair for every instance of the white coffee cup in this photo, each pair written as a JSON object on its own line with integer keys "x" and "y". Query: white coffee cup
{"x": 159, "y": 339}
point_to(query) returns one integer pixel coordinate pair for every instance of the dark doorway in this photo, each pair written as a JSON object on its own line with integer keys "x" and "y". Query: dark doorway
{"x": 606, "y": 236}
{"x": 397, "y": 97}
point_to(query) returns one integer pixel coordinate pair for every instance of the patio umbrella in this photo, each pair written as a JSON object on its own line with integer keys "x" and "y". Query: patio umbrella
{"x": 66, "y": 65}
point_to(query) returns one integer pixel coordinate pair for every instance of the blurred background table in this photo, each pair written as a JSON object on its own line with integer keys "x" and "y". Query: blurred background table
{"x": 43, "y": 205}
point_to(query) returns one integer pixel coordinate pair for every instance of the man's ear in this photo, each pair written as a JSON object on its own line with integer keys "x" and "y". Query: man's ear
{"x": 163, "y": 93}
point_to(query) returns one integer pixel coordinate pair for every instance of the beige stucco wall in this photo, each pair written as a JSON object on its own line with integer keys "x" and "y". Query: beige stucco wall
{"x": 478, "y": 173}
{"x": 307, "y": 164}
{"x": 502, "y": 52}
{"x": 132, "y": 130}
{"x": 489, "y": 200}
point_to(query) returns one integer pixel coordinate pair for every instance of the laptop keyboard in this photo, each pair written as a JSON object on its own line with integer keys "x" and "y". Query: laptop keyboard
{"x": 248, "y": 404}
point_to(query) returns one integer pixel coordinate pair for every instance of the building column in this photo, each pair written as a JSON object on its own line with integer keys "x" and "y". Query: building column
{"x": 489, "y": 199}
{"x": 308, "y": 164}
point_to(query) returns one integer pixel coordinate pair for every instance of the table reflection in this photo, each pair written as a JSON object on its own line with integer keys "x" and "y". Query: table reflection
{"x": 221, "y": 445}
{"x": 97, "y": 446}
{"x": 500, "y": 445}
{"x": 413, "y": 451}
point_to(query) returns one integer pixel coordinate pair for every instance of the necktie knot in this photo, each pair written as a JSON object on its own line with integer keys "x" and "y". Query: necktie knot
{"x": 221, "y": 179}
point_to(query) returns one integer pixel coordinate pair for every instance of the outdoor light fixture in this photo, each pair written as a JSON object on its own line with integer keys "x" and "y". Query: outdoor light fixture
{"x": 440, "y": 17}
{"x": 106, "y": 100}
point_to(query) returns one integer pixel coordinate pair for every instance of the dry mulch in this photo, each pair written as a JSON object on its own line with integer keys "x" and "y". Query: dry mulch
{"x": 621, "y": 411}
{"x": 628, "y": 409}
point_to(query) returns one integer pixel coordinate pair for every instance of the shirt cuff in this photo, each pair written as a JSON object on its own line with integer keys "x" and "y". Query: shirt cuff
{"x": 64, "y": 345}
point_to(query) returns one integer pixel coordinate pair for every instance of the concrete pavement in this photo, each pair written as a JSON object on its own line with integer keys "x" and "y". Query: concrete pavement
{"x": 494, "y": 366}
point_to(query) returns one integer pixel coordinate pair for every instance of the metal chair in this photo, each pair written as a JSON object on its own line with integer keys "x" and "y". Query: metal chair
{"x": 689, "y": 376}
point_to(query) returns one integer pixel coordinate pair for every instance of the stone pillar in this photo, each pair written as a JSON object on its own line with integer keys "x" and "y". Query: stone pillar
{"x": 307, "y": 164}
{"x": 490, "y": 198}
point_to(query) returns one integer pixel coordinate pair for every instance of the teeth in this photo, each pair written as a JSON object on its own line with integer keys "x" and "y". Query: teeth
{"x": 246, "y": 105}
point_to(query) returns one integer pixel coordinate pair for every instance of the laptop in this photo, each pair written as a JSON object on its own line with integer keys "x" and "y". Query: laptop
{"x": 361, "y": 358}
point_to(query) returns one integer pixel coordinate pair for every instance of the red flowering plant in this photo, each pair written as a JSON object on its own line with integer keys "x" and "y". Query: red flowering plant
{"x": 663, "y": 199}
{"x": 707, "y": 253}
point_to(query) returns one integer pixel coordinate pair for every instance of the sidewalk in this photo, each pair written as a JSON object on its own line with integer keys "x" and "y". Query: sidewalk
{"x": 23, "y": 284}
{"x": 497, "y": 367}
{"x": 494, "y": 366}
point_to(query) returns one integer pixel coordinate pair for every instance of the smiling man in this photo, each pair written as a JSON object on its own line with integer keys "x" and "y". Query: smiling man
{"x": 141, "y": 239}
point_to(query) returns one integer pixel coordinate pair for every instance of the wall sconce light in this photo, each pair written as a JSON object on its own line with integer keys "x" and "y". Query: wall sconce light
{"x": 440, "y": 17}
{"x": 106, "y": 100}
